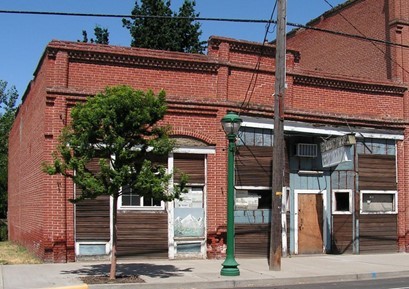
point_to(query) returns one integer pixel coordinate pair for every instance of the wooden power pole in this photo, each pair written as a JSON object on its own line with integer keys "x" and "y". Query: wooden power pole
{"x": 278, "y": 147}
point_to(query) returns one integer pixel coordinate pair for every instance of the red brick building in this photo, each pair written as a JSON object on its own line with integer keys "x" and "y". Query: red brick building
{"x": 335, "y": 86}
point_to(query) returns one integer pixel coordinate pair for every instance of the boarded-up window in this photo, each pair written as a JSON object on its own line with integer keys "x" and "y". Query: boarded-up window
{"x": 92, "y": 216}
{"x": 377, "y": 172}
{"x": 254, "y": 166}
{"x": 192, "y": 165}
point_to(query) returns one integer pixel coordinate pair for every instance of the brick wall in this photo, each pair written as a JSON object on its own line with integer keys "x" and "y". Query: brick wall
{"x": 200, "y": 90}
{"x": 27, "y": 197}
{"x": 322, "y": 51}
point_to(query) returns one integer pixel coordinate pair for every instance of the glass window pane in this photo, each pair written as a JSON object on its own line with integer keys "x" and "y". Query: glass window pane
{"x": 342, "y": 201}
{"x": 249, "y": 136}
{"x": 258, "y": 137}
{"x": 135, "y": 200}
{"x": 156, "y": 203}
{"x": 268, "y": 137}
{"x": 126, "y": 200}
{"x": 378, "y": 202}
{"x": 147, "y": 202}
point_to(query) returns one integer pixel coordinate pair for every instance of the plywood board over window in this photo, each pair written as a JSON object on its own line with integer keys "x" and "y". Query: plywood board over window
{"x": 377, "y": 172}
{"x": 378, "y": 203}
{"x": 193, "y": 165}
{"x": 254, "y": 166}
{"x": 92, "y": 217}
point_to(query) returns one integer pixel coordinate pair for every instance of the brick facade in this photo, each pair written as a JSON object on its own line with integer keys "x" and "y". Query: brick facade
{"x": 327, "y": 84}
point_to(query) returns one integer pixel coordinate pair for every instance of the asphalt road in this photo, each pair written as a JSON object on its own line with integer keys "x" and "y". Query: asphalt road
{"x": 396, "y": 283}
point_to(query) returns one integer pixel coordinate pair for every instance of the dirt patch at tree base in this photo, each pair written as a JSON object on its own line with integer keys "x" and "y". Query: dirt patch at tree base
{"x": 104, "y": 279}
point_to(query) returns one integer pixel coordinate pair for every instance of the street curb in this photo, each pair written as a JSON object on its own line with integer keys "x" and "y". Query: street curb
{"x": 83, "y": 286}
{"x": 256, "y": 282}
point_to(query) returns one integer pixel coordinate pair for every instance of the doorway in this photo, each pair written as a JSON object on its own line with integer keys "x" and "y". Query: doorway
{"x": 310, "y": 227}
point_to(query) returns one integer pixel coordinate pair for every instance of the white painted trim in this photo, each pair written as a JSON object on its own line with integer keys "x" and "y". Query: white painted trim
{"x": 324, "y": 223}
{"x": 204, "y": 244}
{"x": 257, "y": 124}
{"x": 395, "y": 193}
{"x": 111, "y": 218}
{"x": 202, "y": 253}
{"x": 246, "y": 188}
{"x": 171, "y": 212}
{"x": 107, "y": 246}
{"x": 333, "y": 203}
{"x": 324, "y": 130}
{"x": 284, "y": 208}
{"x": 396, "y": 163}
{"x": 195, "y": 150}
{"x": 139, "y": 208}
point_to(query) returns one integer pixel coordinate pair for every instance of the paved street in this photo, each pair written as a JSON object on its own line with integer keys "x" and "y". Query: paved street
{"x": 394, "y": 283}
{"x": 204, "y": 274}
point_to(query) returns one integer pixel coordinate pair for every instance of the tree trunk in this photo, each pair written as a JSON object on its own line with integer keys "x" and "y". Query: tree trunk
{"x": 112, "y": 274}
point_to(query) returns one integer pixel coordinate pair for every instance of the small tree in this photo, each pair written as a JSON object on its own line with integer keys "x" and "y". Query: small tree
{"x": 101, "y": 36}
{"x": 8, "y": 98}
{"x": 171, "y": 33}
{"x": 120, "y": 128}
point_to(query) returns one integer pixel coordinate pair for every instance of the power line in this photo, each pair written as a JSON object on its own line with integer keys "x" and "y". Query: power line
{"x": 135, "y": 16}
{"x": 372, "y": 42}
{"x": 237, "y": 20}
{"x": 254, "y": 76}
{"x": 347, "y": 35}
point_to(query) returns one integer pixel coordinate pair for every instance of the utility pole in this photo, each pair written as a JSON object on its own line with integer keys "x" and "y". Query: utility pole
{"x": 278, "y": 147}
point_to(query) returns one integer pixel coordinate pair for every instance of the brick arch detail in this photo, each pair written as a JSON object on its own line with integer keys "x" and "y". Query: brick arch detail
{"x": 194, "y": 134}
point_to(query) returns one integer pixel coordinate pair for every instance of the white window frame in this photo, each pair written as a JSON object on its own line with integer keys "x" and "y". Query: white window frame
{"x": 334, "y": 202}
{"x": 142, "y": 207}
{"x": 79, "y": 243}
{"x": 395, "y": 193}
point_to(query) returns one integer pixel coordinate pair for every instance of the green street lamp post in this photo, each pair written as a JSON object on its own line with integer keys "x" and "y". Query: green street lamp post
{"x": 231, "y": 124}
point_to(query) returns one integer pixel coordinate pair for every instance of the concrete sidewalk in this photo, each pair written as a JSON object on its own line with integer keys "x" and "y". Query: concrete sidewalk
{"x": 181, "y": 274}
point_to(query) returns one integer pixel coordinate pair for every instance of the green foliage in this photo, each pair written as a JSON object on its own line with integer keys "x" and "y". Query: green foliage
{"x": 101, "y": 36}
{"x": 3, "y": 232}
{"x": 8, "y": 98}
{"x": 172, "y": 34}
{"x": 120, "y": 128}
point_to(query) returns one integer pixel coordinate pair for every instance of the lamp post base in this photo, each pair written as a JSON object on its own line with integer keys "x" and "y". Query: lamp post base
{"x": 230, "y": 271}
{"x": 230, "y": 268}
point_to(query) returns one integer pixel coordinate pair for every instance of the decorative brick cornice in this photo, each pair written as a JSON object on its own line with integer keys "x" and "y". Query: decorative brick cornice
{"x": 244, "y": 47}
{"x": 332, "y": 118}
{"x": 104, "y": 57}
{"x": 349, "y": 85}
{"x": 250, "y": 47}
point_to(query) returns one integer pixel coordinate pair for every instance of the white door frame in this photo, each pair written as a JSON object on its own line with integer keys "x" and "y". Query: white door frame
{"x": 324, "y": 211}
{"x": 285, "y": 207}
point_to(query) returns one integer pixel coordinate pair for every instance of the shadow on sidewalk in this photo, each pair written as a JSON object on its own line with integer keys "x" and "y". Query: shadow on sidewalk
{"x": 151, "y": 270}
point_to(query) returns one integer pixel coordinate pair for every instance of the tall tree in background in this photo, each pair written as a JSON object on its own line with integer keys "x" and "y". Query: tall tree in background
{"x": 173, "y": 33}
{"x": 101, "y": 35}
{"x": 8, "y": 98}
{"x": 120, "y": 129}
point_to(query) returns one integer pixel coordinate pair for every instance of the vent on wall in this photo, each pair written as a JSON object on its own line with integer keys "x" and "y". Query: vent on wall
{"x": 307, "y": 150}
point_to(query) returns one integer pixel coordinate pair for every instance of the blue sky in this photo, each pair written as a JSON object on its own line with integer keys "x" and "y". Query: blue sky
{"x": 24, "y": 37}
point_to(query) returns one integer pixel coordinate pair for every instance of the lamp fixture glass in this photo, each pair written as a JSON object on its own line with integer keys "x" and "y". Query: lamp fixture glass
{"x": 231, "y": 123}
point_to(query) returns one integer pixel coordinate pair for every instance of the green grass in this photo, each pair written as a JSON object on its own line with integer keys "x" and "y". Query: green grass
{"x": 11, "y": 254}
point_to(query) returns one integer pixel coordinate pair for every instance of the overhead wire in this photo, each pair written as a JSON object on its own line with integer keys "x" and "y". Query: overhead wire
{"x": 377, "y": 47}
{"x": 250, "y": 89}
{"x": 238, "y": 20}
{"x": 370, "y": 40}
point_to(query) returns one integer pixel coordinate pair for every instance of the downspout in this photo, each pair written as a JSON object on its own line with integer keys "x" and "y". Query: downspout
{"x": 355, "y": 217}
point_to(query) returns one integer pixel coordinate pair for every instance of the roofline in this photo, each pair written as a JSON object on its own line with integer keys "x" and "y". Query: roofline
{"x": 325, "y": 15}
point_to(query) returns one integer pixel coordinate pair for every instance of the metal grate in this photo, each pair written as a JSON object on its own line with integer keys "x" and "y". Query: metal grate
{"x": 307, "y": 150}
